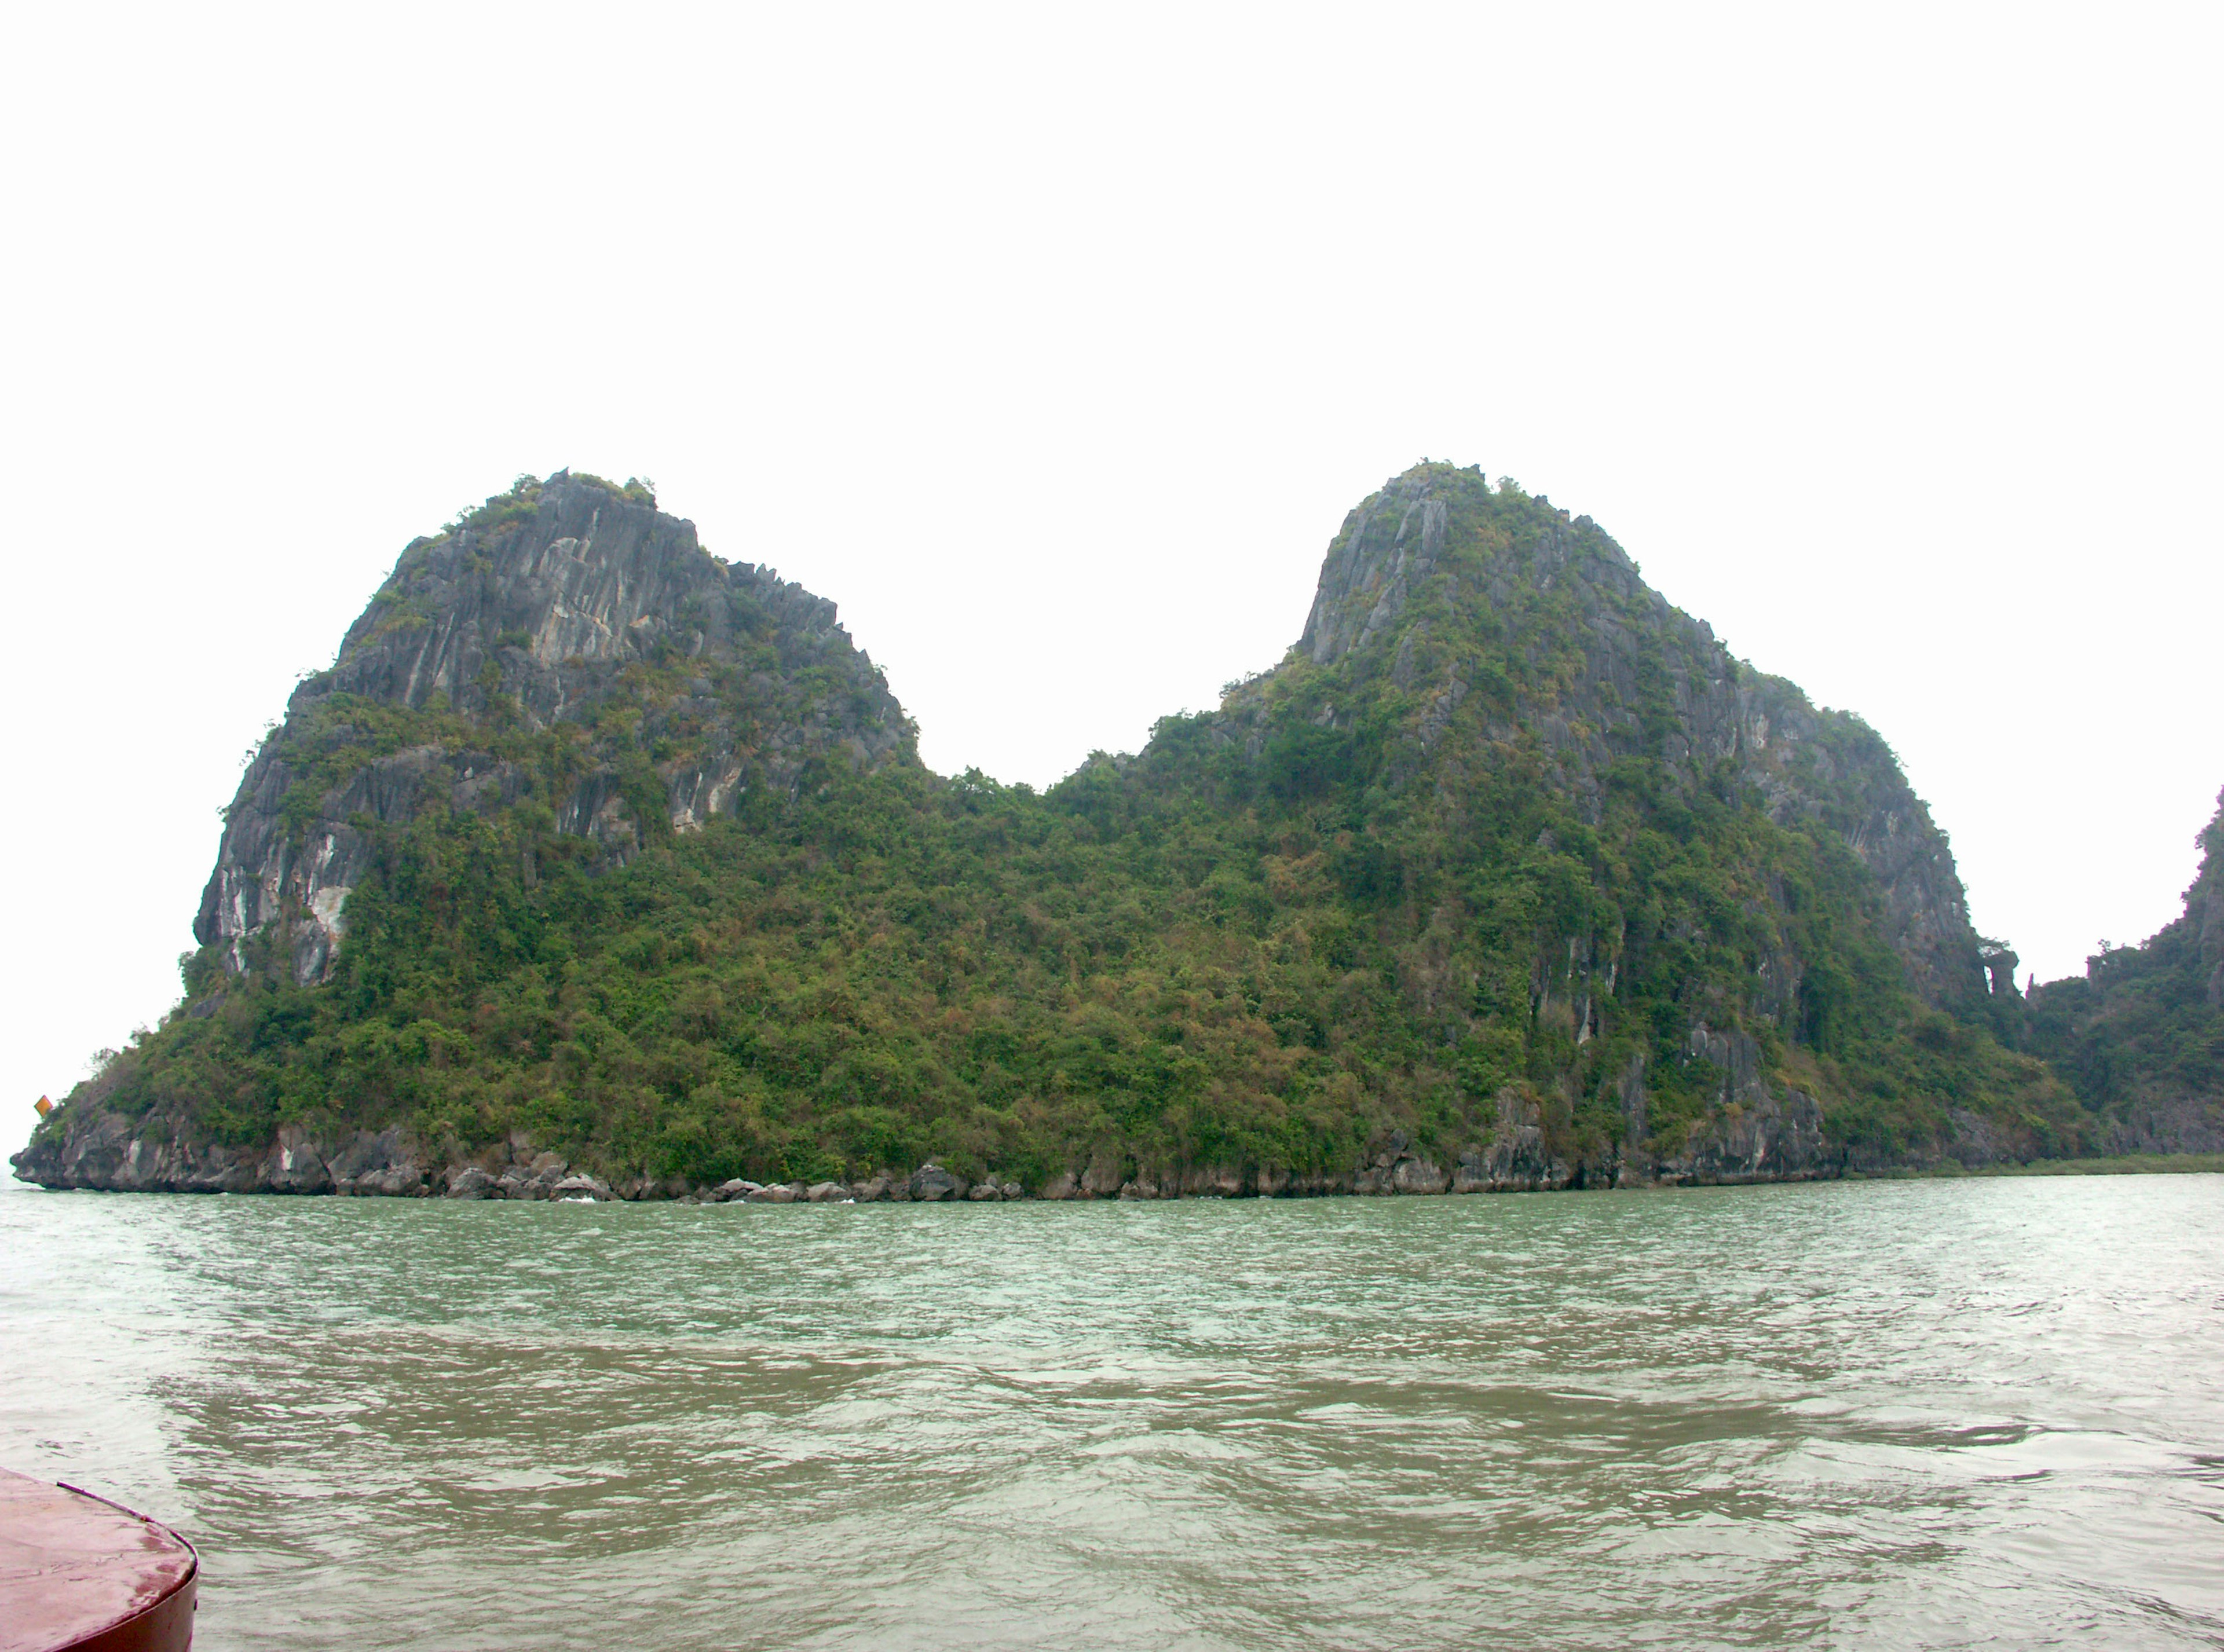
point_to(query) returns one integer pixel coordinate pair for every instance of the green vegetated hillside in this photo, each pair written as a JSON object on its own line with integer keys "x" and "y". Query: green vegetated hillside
{"x": 591, "y": 843}
{"x": 2141, "y": 1034}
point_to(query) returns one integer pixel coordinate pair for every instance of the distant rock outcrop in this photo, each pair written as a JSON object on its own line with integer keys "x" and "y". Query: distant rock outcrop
{"x": 2141, "y": 1034}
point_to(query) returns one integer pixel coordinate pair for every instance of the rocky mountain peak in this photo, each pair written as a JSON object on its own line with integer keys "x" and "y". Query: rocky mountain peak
{"x": 1460, "y": 626}
{"x": 1388, "y": 546}
{"x": 685, "y": 683}
{"x": 1393, "y": 544}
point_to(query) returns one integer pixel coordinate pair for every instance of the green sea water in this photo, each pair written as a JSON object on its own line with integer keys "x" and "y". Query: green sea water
{"x": 1983, "y": 1413}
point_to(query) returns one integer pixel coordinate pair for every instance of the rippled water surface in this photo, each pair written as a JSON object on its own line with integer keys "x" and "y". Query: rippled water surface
{"x": 1884, "y": 1414}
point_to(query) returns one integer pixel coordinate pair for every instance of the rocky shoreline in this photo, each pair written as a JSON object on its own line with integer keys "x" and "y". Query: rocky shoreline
{"x": 1771, "y": 1139}
{"x": 1755, "y": 1132}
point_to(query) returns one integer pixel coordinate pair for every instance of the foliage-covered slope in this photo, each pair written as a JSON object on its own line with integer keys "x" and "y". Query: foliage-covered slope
{"x": 590, "y": 840}
{"x": 2141, "y": 1034}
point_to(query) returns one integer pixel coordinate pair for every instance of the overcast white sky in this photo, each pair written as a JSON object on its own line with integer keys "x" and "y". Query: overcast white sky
{"x": 1052, "y": 343}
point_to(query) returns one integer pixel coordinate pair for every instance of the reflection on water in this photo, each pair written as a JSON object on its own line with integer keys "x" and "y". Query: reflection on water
{"x": 1910, "y": 1414}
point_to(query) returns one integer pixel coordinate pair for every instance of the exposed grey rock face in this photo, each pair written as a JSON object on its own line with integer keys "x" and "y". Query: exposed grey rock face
{"x": 1808, "y": 765}
{"x": 160, "y": 1154}
{"x": 389, "y": 1162}
{"x": 1759, "y": 1135}
{"x": 1517, "y": 1158}
{"x": 529, "y": 1175}
{"x": 2180, "y": 1123}
{"x": 932, "y": 1182}
{"x": 1388, "y": 546}
{"x": 1419, "y": 1176}
{"x": 536, "y": 619}
{"x": 1211, "y": 1181}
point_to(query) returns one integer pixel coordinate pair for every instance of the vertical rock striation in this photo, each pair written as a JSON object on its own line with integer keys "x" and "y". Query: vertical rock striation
{"x": 563, "y": 606}
{"x": 1652, "y": 683}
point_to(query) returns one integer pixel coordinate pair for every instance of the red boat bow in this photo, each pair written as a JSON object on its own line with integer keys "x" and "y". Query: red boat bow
{"x": 81, "y": 1572}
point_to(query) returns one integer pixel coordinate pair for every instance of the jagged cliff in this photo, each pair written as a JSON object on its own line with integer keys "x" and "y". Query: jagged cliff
{"x": 1640, "y": 678}
{"x": 596, "y": 863}
{"x": 567, "y": 609}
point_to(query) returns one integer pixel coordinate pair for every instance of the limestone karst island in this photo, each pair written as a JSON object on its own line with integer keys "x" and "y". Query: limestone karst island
{"x": 598, "y": 866}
